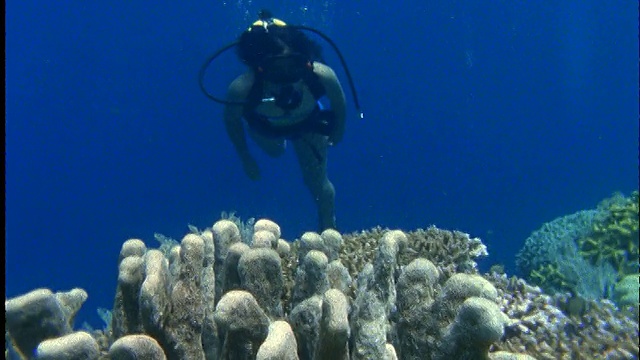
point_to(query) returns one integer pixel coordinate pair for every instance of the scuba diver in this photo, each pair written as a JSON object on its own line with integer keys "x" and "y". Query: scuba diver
{"x": 286, "y": 94}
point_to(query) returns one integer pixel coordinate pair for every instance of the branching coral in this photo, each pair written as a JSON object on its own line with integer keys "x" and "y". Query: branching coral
{"x": 585, "y": 253}
{"x": 614, "y": 239}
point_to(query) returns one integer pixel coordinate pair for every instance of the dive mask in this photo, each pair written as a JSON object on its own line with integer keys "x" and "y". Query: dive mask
{"x": 285, "y": 69}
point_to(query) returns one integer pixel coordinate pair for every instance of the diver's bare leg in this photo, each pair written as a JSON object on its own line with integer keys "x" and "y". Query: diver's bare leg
{"x": 311, "y": 150}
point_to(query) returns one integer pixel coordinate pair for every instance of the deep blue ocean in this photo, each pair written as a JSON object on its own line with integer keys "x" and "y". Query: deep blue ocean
{"x": 487, "y": 117}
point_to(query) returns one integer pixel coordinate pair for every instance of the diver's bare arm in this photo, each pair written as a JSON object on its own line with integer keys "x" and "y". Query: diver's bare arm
{"x": 233, "y": 117}
{"x": 235, "y": 130}
{"x": 336, "y": 97}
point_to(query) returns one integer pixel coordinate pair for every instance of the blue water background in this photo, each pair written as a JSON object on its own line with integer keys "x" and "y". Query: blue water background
{"x": 487, "y": 117}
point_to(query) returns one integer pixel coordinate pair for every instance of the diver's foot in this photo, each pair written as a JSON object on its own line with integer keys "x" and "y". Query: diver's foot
{"x": 329, "y": 223}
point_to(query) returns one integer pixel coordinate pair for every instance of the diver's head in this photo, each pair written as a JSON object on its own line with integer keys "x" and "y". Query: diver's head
{"x": 286, "y": 68}
{"x": 278, "y": 52}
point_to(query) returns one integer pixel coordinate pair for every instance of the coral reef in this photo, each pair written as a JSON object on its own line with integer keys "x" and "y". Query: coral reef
{"x": 585, "y": 253}
{"x": 540, "y": 328}
{"x": 614, "y": 239}
{"x": 626, "y": 291}
{"x": 379, "y": 294}
{"x": 41, "y": 315}
{"x": 550, "y": 258}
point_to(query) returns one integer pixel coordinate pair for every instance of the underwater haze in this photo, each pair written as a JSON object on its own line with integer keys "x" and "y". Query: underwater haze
{"x": 487, "y": 117}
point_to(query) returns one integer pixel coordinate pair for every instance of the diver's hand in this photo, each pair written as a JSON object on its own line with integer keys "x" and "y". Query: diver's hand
{"x": 335, "y": 138}
{"x": 251, "y": 168}
{"x": 337, "y": 132}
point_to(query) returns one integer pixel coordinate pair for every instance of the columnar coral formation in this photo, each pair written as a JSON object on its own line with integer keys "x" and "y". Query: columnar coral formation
{"x": 382, "y": 294}
{"x": 305, "y": 320}
{"x": 415, "y": 289}
{"x": 260, "y": 273}
{"x": 478, "y": 324}
{"x": 75, "y": 346}
{"x": 334, "y": 327}
{"x": 280, "y": 343}
{"x": 133, "y": 347}
{"x": 311, "y": 277}
{"x": 41, "y": 315}
{"x": 243, "y": 324}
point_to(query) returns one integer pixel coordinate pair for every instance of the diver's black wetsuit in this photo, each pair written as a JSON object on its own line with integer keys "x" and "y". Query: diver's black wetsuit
{"x": 319, "y": 121}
